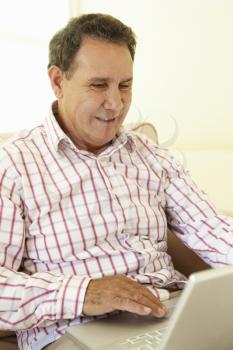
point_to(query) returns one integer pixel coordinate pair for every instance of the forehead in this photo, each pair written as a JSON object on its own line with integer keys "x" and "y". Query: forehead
{"x": 103, "y": 58}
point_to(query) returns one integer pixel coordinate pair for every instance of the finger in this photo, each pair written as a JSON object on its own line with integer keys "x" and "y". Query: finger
{"x": 139, "y": 291}
{"x": 136, "y": 285}
{"x": 155, "y": 299}
{"x": 157, "y": 308}
{"x": 126, "y": 304}
{"x": 138, "y": 297}
{"x": 150, "y": 295}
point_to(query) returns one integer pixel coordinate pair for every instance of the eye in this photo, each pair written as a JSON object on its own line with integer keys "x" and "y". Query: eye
{"x": 98, "y": 86}
{"x": 125, "y": 86}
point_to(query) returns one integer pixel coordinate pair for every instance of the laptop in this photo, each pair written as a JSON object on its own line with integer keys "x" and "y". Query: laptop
{"x": 201, "y": 318}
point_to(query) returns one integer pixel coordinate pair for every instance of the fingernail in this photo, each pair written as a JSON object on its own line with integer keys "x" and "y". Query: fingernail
{"x": 147, "y": 310}
{"x": 162, "y": 311}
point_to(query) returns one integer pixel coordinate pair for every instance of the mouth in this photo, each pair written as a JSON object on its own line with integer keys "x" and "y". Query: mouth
{"x": 106, "y": 120}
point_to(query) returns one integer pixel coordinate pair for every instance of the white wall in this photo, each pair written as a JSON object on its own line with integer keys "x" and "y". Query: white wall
{"x": 26, "y": 27}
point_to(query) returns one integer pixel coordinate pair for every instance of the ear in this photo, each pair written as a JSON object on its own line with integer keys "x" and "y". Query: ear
{"x": 56, "y": 76}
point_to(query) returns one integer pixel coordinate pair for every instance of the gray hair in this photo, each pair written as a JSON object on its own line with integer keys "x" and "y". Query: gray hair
{"x": 65, "y": 43}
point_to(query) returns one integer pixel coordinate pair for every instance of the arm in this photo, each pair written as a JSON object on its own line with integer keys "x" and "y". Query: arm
{"x": 195, "y": 220}
{"x": 42, "y": 298}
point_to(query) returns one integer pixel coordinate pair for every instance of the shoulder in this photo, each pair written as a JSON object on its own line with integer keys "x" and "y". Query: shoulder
{"x": 149, "y": 149}
{"x": 155, "y": 155}
{"x": 15, "y": 150}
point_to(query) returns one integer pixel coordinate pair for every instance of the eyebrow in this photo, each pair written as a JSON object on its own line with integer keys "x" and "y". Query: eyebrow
{"x": 107, "y": 80}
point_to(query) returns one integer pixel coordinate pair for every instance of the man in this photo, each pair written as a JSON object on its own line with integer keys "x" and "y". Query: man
{"x": 85, "y": 206}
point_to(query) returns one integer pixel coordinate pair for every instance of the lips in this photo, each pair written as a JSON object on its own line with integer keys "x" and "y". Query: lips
{"x": 106, "y": 120}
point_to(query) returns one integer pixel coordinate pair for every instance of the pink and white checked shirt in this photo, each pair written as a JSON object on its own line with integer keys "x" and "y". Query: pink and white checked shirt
{"x": 67, "y": 216}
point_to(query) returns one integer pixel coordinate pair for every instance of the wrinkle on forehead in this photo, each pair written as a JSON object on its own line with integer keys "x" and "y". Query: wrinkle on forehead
{"x": 101, "y": 57}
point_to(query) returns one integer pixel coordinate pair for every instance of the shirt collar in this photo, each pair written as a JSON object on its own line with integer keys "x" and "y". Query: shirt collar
{"x": 56, "y": 135}
{"x": 125, "y": 138}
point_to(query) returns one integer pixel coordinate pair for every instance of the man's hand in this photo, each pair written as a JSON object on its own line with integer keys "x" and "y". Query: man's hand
{"x": 120, "y": 293}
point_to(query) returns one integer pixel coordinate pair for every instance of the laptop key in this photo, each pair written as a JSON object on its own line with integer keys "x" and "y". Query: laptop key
{"x": 146, "y": 341}
{"x": 128, "y": 346}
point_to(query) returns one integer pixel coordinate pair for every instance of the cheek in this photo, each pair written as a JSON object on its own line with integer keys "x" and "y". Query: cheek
{"x": 127, "y": 98}
{"x": 92, "y": 103}
{"x": 88, "y": 108}
{"x": 127, "y": 103}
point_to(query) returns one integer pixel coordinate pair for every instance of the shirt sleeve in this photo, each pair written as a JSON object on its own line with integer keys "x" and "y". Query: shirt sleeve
{"x": 42, "y": 298}
{"x": 194, "y": 219}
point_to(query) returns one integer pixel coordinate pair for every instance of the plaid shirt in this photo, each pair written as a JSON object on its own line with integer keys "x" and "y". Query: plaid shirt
{"x": 68, "y": 216}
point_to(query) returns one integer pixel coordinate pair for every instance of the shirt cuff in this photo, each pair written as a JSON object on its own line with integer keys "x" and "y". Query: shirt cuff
{"x": 71, "y": 296}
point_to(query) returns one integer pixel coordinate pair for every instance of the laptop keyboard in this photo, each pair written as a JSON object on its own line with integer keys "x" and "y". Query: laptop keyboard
{"x": 146, "y": 341}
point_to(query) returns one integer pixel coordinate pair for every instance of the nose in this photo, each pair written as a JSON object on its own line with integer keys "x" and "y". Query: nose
{"x": 113, "y": 100}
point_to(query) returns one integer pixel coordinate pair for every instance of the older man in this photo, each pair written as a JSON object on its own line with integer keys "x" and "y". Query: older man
{"x": 85, "y": 205}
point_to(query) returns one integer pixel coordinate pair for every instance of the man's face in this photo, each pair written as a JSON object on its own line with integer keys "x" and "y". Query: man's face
{"x": 94, "y": 101}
